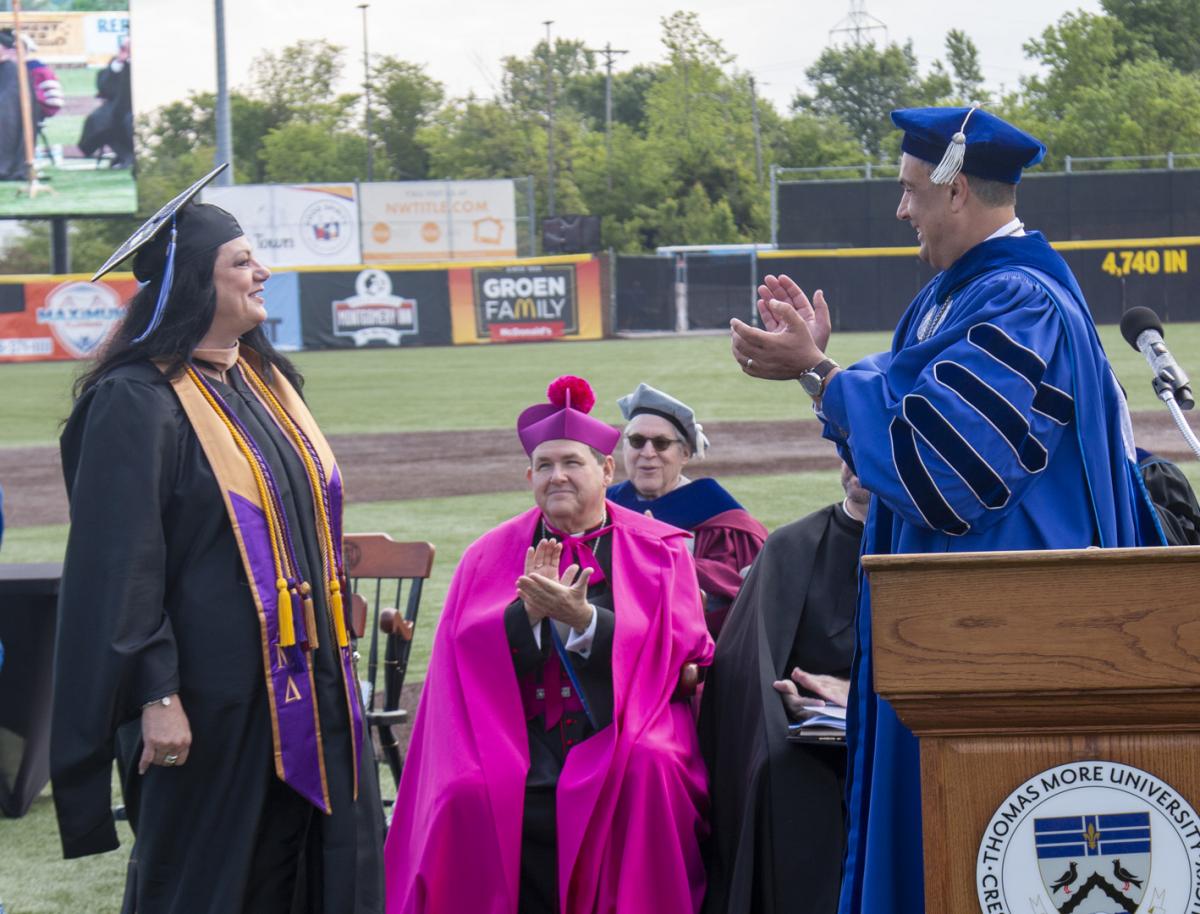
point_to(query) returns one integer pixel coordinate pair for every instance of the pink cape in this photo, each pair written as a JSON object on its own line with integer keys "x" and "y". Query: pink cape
{"x": 632, "y": 799}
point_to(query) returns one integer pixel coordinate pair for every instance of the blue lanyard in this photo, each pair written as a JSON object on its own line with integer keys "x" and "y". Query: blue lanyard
{"x": 566, "y": 663}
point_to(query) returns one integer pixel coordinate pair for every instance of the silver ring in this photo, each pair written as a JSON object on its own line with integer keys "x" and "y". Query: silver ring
{"x": 749, "y": 363}
{"x": 170, "y": 759}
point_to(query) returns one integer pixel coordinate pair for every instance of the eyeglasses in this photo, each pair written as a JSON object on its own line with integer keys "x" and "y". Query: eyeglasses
{"x": 660, "y": 442}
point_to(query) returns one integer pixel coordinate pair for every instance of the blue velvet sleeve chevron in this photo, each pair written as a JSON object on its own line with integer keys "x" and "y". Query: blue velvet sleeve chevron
{"x": 951, "y": 431}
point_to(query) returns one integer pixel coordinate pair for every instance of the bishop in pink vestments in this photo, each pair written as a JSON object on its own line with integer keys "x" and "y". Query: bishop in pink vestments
{"x": 553, "y": 768}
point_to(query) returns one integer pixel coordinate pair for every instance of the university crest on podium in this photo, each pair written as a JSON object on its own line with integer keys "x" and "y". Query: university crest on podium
{"x": 1094, "y": 864}
{"x": 1091, "y": 837}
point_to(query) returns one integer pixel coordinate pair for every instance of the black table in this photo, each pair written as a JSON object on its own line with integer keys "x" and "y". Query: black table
{"x": 28, "y": 598}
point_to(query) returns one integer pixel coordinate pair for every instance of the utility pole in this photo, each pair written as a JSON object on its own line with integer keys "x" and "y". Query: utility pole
{"x": 758, "y": 163}
{"x": 224, "y": 126}
{"x": 367, "y": 95}
{"x": 609, "y": 53}
{"x": 549, "y": 120}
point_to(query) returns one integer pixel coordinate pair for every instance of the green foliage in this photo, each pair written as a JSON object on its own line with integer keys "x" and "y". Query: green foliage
{"x": 806, "y": 140}
{"x": 1143, "y": 108}
{"x": 528, "y": 81}
{"x": 404, "y": 99}
{"x": 1081, "y": 49}
{"x": 298, "y": 82}
{"x": 860, "y": 85}
{"x": 1106, "y": 90}
{"x": 679, "y": 165}
{"x": 1170, "y": 28}
{"x": 963, "y": 56}
{"x": 299, "y": 152}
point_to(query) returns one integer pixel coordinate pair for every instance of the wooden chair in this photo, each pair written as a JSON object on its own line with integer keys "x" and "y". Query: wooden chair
{"x": 377, "y": 568}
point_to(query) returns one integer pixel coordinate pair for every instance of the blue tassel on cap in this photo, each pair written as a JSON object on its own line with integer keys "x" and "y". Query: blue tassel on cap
{"x": 164, "y": 291}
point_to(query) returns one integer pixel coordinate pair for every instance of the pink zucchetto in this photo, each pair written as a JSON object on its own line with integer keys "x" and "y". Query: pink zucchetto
{"x": 566, "y": 417}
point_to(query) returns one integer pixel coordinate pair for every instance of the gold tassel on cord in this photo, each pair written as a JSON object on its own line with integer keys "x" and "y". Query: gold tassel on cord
{"x": 339, "y": 616}
{"x": 287, "y": 626}
{"x": 310, "y": 616}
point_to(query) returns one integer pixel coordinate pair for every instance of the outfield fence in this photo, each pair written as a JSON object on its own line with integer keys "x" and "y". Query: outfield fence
{"x": 869, "y": 287}
{"x": 582, "y": 297}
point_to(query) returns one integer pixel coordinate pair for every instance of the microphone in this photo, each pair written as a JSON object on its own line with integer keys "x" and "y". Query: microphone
{"x": 1144, "y": 332}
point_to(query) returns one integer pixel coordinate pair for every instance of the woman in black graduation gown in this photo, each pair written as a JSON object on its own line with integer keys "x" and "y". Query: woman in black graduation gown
{"x": 202, "y": 637}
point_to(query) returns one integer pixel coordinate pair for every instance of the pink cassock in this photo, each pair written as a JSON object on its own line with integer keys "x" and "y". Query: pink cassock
{"x": 632, "y": 800}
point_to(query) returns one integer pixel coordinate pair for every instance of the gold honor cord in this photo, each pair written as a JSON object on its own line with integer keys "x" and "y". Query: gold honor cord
{"x": 283, "y": 566}
{"x": 320, "y": 496}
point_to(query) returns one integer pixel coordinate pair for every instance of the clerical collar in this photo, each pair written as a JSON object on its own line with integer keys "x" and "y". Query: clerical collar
{"x": 547, "y": 527}
{"x": 846, "y": 511}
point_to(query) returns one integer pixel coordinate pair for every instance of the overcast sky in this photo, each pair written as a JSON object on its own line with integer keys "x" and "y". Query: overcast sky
{"x": 461, "y": 42}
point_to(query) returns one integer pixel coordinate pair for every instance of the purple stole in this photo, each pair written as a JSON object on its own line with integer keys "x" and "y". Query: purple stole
{"x": 287, "y": 623}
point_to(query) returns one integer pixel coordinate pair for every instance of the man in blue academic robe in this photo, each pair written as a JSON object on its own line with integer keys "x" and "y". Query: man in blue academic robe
{"x": 995, "y": 422}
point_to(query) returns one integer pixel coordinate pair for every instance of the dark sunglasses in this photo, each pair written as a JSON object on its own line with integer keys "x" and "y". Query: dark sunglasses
{"x": 660, "y": 442}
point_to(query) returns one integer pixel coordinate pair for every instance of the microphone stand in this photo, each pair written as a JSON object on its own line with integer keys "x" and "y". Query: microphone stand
{"x": 1167, "y": 395}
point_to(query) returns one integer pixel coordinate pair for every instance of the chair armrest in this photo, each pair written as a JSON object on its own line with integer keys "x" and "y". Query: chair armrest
{"x": 392, "y": 623}
{"x": 387, "y": 718}
{"x": 689, "y": 679}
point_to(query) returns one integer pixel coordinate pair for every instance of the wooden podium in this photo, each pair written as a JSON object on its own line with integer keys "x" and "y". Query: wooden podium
{"x": 1006, "y": 664}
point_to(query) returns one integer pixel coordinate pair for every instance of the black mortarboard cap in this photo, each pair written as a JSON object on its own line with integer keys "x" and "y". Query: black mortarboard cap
{"x": 198, "y": 228}
{"x": 195, "y": 228}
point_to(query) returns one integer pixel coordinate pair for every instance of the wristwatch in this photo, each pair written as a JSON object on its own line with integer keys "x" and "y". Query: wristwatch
{"x": 813, "y": 380}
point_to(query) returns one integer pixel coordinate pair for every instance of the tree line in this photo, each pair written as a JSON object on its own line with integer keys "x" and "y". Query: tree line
{"x": 691, "y": 143}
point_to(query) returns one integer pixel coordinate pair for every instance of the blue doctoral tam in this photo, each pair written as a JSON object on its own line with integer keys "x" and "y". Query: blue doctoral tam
{"x": 992, "y": 148}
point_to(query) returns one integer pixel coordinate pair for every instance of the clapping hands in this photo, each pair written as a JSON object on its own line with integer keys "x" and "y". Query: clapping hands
{"x": 796, "y": 331}
{"x": 547, "y": 594}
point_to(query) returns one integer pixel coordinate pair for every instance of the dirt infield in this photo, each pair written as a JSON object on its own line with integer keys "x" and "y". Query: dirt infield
{"x": 395, "y": 467}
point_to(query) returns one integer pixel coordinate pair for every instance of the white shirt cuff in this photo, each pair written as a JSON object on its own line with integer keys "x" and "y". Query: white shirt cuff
{"x": 581, "y": 644}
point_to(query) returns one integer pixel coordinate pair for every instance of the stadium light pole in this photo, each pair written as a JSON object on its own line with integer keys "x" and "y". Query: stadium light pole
{"x": 367, "y": 95}
{"x": 224, "y": 128}
{"x": 549, "y": 121}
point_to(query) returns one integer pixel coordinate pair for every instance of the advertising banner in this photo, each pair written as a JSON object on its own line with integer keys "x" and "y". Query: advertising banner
{"x": 438, "y": 220}
{"x": 526, "y": 302}
{"x": 58, "y": 320}
{"x": 282, "y": 326}
{"x": 295, "y": 225}
{"x": 78, "y": 126}
{"x": 374, "y": 308}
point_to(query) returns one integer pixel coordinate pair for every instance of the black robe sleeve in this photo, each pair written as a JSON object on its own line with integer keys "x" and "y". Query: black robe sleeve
{"x": 115, "y": 648}
{"x": 777, "y": 819}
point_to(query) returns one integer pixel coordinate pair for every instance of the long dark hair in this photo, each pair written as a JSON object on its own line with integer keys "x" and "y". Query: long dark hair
{"x": 188, "y": 315}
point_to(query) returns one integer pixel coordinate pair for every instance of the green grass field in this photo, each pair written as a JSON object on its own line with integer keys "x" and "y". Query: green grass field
{"x": 442, "y": 388}
{"x": 469, "y": 387}
{"x": 75, "y": 193}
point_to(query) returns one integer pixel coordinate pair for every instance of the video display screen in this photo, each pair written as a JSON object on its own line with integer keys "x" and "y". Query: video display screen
{"x": 69, "y": 116}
